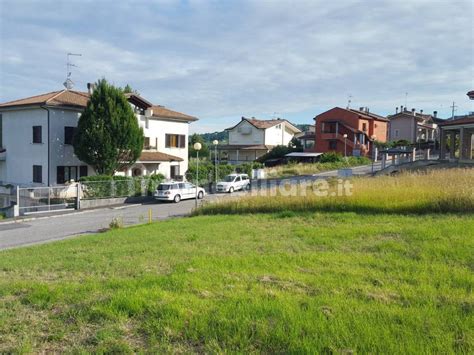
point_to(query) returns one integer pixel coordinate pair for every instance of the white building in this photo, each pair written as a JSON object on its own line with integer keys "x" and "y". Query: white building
{"x": 36, "y": 139}
{"x": 251, "y": 138}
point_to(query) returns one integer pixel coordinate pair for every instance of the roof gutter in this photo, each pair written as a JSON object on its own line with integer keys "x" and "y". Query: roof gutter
{"x": 49, "y": 144}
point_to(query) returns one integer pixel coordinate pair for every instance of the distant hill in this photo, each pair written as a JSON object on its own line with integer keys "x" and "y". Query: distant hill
{"x": 304, "y": 127}
{"x": 222, "y": 137}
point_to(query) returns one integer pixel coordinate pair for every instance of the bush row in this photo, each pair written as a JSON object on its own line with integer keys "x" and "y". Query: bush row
{"x": 105, "y": 186}
{"x": 207, "y": 170}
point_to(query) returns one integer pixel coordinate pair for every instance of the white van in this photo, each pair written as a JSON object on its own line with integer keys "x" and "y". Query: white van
{"x": 234, "y": 182}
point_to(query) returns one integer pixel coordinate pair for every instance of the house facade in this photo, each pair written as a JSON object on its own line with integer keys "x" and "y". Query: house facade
{"x": 36, "y": 139}
{"x": 349, "y": 132}
{"x": 412, "y": 126}
{"x": 251, "y": 138}
{"x": 457, "y": 138}
{"x": 307, "y": 139}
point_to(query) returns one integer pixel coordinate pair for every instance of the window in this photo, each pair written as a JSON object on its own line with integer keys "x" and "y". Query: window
{"x": 174, "y": 171}
{"x": 146, "y": 143}
{"x": 38, "y": 173}
{"x": 83, "y": 170}
{"x": 66, "y": 173}
{"x": 68, "y": 134}
{"x": 397, "y": 133}
{"x": 175, "y": 141}
{"x": 333, "y": 145}
{"x": 37, "y": 134}
{"x": 364, "y": 127}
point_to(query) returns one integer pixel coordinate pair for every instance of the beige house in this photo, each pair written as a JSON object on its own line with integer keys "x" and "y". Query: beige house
{"x": 251, "y": 138}
{"x": 412, "y": 126}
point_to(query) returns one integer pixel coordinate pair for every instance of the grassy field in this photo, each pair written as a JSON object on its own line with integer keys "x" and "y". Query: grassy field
{"x": 300, "y": 282}
{"x": 432, "y": 191}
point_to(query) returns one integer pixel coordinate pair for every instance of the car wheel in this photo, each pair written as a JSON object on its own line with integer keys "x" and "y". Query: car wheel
{"x": 200, "y": 195}
{"x": 231, "y": 190}
{"x": 177, "y": 198}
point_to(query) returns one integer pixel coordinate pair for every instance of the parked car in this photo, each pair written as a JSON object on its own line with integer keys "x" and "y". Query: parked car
{"x": 177, "y": 191}
{"x": 234, "y": 182}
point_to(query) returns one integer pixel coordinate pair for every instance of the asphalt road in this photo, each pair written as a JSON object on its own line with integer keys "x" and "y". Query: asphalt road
{"x": 40, "y": 229}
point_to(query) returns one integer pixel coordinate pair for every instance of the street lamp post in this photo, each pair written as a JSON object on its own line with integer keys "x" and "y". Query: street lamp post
{"x": 345, "y": 145}
{"x": 374, "y": 152}
{"x": 215, "y": 142}
{"x": 197, "y": 147}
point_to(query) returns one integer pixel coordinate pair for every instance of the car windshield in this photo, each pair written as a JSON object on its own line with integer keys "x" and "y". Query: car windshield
{"x": 163, "y": 187}
{"x": 229, "y": 178}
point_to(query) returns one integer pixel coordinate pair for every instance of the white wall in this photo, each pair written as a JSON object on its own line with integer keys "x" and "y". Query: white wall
{"x": 21, "y": 153}
{"x": 256, "y": 135}
{"x": 63, "y": 154}
{"x": 157, "y": 130}
{"x": 278, "y": 136}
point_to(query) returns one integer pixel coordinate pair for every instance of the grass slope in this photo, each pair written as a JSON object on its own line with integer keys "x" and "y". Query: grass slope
{"x": 308, "y": 282}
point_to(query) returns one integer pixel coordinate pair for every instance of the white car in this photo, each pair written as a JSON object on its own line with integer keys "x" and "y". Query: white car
{"x": 234, "y": 182}
{"x": 177, "y": 191}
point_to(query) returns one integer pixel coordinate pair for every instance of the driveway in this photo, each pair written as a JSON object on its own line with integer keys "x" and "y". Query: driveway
{"x": 41, "y": 229}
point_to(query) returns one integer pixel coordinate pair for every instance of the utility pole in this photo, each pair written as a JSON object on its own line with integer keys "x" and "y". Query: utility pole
{"x": 453, "y": 107}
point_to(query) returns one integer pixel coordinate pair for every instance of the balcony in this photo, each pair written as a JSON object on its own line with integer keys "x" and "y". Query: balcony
{"x": 3, "y": 154}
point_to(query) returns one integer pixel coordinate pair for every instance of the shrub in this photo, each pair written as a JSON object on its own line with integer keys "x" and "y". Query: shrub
{"x": 153, "y": 182}
{"x": 98, "y": 186}
{"x": 331, "y": 157}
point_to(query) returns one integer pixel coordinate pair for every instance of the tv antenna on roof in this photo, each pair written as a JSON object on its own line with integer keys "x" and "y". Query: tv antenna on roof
{"x": 69, "y": 84}
{"x": 349, "y": 101}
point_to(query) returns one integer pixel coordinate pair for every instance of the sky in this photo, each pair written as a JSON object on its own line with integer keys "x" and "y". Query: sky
{"x": 221, "y": 60}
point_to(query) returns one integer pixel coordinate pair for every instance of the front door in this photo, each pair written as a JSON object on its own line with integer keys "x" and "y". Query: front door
{"x": 174, "y": 171}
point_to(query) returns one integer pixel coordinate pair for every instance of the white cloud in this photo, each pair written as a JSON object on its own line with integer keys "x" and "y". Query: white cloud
{"x": 222, "y": 60}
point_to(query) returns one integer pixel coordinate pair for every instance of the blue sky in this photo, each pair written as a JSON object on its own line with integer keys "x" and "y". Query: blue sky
{"x": 220, "y": 60}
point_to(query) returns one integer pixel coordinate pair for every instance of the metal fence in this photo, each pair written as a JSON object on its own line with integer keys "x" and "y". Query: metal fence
{"x": 45, "y": 199}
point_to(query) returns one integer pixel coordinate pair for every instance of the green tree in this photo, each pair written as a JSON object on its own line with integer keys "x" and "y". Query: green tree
{"x": 196, "y": 138}
{"x": 108, "y": 136}
{"x": 129, "y": 90}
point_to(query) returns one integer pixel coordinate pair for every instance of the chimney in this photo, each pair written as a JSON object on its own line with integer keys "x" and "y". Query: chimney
{"x": 361, "y": 109}
{"x": 90, "y": 88}
{"x": 421, "y": 112}
{"x": 413, "y": 111}
{"x": 396, "y": 110}
{"x": 367, "y": 110}
{"x": 435, "y": 114}
{"x": 401, "y": 108}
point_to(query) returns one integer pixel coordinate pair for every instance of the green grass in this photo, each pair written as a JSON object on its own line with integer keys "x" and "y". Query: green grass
{"x": 285, "y": 282}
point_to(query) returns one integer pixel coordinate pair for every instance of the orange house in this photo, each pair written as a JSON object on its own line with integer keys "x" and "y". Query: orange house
{"x": 349, "y": 132}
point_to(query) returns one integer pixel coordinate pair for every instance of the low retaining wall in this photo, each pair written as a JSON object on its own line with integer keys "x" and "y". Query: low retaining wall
{"x": 417, "y": 164}
{"x": 104, "y": 202}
